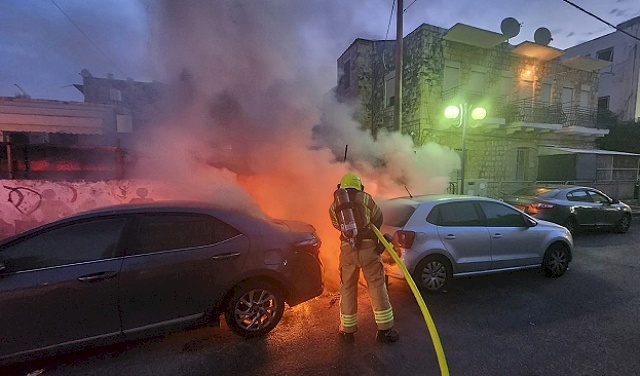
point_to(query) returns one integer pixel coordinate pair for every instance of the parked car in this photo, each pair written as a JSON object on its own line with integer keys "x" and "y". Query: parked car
{"x": 131, "y": 271}
{"x": 574, "y": 207}
{"x": 440, "y": 237}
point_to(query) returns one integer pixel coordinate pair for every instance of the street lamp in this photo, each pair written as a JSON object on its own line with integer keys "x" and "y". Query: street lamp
{"x": 463, "y": 112}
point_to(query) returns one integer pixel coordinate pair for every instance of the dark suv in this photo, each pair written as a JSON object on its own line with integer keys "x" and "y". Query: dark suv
{"x": 130, "y": 271}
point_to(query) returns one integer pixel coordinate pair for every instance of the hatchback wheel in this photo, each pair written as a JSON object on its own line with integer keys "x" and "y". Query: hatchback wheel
{"x": 254, "y": 309}
{"x": 556, "y": 260}
{"x": 624, "y": 224}
{"x": 433, "y": 273}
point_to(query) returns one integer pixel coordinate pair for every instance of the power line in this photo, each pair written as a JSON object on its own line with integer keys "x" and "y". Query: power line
{"x": 405, "y": 9}
{"x": 87, "y": 37}
{"x": 393, "y": 6}
{"x": 600, "y": 19}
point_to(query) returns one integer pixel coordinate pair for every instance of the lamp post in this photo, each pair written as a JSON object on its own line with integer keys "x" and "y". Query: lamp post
{"x": 463, "y": 112}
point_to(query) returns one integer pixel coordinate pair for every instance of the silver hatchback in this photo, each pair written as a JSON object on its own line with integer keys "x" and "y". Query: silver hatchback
{"x": 444, "y": 236}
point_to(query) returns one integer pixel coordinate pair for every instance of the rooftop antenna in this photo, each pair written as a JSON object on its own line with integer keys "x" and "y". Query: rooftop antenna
{"x": 407, "y": 189}
{"x": 346, "y": 147}
{"x": 510, "y": 27}
{"x": 24, "y": 93}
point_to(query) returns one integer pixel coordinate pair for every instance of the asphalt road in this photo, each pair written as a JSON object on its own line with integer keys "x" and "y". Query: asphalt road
{"x": 584, "y": 323}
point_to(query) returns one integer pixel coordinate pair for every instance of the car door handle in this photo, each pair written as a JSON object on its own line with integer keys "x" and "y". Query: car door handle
{"x": 450, "y": 236}
{"x": 97, "y": 276}
{"x": 226, "y": 256}
{"x": 497, "y": 236}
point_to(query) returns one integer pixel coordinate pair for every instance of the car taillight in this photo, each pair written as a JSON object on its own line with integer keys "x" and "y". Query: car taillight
{"x": 534, "y": 207}
{"x": 311, "y": 246}
{"x": 403, "y": 238}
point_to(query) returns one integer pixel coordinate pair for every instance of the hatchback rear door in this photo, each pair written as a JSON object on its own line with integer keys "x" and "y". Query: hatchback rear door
{"x": 462, "y": 232}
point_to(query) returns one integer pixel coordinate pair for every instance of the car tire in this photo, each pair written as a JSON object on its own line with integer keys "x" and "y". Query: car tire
{"x": 556, "y": 260}
{"x": 623, "y": 224}
{"x": 254, "y": 309}
{"x": 572, "y": 225}
{"x": 433, "y": 274}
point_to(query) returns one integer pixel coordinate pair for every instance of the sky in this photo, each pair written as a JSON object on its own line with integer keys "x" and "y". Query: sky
{"x": 239, "y": 129}
{"x": 44, "y": 44}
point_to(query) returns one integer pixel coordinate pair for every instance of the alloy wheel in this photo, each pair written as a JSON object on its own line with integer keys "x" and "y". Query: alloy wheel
{"x": 255, "y": 310}
{"x": 434, "y": 275}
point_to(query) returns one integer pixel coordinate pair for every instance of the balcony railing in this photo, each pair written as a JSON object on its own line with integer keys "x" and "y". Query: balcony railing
{"x": 530, "y": 111}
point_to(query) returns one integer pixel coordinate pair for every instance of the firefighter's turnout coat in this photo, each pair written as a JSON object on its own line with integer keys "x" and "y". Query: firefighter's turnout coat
{"x": 365, "y": 257}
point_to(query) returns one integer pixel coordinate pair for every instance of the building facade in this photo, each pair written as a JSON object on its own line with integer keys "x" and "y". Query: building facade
{"x": 620, "y": 80}
{"x": 90, "y": 140}
{"x": 533, "y": 97}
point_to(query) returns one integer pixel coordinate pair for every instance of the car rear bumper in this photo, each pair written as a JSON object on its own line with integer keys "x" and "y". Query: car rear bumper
{"x": 307, "y": 279}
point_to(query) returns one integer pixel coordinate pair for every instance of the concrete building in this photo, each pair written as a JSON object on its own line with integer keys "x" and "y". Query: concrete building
{"x": 536, "y": 102}
{"x": 142, "y": 100}
{"x": 620, "y": 80}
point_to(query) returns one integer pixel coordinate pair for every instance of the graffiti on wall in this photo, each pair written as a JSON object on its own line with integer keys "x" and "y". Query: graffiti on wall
{"x": 25, "y": 204}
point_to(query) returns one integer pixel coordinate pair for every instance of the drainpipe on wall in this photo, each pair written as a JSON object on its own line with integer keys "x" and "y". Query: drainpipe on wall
{"x": 5, "y": 138}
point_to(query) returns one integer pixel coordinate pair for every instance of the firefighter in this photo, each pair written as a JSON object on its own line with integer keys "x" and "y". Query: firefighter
{"x": 360, "y": 252}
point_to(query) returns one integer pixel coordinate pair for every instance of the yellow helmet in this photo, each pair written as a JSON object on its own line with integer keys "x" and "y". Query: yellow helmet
{"x": 351, "y": 180}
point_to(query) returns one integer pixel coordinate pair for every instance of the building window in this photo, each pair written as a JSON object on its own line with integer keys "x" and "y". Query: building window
{"x": 603, "y": 103}
{"x": 115, "y": 95}
{"x": 451, "y": 75}
{"x": 477, "y": 79}
{"x": 506, "y": 84}
{"x": 545, "y": 92}
{"x": 389, "y": 90}
{"x": 346, "y": 74}
{"x": 585, "y": 96}
{"x": 606, "y": 55}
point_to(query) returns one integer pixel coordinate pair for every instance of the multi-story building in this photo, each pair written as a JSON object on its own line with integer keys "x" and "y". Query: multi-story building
{"x": 537, "y": 103}
{"x": 620, "y": 80}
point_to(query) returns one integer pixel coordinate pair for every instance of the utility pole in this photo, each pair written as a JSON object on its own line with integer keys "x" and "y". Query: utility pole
{"x": 398, "y": 82}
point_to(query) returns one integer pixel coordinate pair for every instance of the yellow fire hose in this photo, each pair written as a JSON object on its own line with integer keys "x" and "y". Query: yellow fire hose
{"x": 435, "y": 338}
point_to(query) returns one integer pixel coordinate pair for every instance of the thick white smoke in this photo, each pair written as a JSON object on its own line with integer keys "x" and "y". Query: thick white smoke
{"x": 246, "y": 96}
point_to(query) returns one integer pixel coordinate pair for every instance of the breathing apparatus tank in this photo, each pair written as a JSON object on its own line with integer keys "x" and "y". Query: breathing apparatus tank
{"x": 346, "y": 216}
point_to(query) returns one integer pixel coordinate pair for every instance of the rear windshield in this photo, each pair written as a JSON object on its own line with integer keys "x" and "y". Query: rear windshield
{"x": 537, "y": 191}
{"x": 396, "y": 214}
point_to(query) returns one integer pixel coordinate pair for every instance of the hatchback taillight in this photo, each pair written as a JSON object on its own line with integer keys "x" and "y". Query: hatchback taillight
{"x": 403, "y": 238}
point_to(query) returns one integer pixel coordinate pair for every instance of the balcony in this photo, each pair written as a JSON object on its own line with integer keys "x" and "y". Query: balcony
{"x": 529, "y": 111}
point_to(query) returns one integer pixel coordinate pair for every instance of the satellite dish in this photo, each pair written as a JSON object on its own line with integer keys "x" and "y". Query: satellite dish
{"x": 510, "y": 27}
{"x": 542, "y": 36}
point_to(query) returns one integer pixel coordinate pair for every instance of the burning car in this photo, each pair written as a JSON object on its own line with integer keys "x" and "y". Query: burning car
{"x": 135, "y": 270}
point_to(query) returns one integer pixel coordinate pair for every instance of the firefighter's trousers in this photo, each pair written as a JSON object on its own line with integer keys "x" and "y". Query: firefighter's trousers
{"x": 370, "y": 261}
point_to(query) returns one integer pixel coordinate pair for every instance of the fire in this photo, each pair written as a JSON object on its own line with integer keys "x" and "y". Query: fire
{"x": 304, "y": 202}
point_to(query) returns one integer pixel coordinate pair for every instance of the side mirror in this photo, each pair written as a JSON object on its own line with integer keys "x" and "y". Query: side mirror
{"x": 615, "y": 201}
{"x": 530, "y": 222}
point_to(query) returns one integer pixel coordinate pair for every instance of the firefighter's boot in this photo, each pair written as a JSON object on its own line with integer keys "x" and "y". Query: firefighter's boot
{"x": 387, "y": 336}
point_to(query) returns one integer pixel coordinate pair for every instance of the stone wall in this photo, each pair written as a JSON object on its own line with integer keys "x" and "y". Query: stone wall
{"x": 25, "y": 204}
